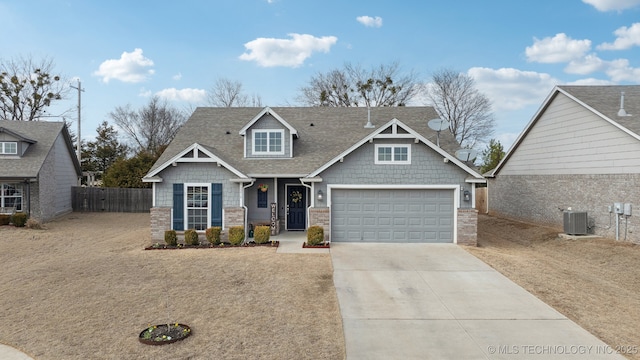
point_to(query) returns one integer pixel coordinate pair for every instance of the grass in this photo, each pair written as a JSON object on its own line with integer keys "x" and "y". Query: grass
{"x": 84, "y": 288}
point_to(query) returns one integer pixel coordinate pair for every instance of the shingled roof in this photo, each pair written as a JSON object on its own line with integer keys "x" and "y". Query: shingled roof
{"x": 41, "y": 135}
{"x": 322, "y": 134}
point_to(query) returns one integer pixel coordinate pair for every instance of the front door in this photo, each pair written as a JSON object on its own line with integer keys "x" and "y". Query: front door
{"x": 296, "y": 207}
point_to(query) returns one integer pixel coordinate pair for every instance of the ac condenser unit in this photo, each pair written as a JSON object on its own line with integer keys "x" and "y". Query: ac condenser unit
{"x": 575, "y": 223}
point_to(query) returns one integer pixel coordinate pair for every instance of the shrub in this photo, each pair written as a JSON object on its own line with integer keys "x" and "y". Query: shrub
{"x": 33, "y": 224}
{"x": 171, "y": 238}
{"x": 261, "y": 234}
{"x": 213, "y": 235}
{"x": 236, "y": 235}
{"x": 19, "y": 219}
{"x": 315, "y": 235}
{"x": 191, "y": 237}
{"x": 5, "y": 219}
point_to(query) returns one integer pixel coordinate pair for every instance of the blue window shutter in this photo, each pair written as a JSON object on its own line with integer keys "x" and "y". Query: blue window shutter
{"x": 178, "y": 207}
{"x": 216, "y": 205}
{"x": 263, "y": 199}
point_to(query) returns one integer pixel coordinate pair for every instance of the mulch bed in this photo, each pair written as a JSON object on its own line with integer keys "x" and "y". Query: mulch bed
{"x": 210, "y": 246}
{"x": 323, "y": 246}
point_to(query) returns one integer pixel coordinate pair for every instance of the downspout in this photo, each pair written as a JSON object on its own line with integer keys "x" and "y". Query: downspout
{"x": 246, "y": 209}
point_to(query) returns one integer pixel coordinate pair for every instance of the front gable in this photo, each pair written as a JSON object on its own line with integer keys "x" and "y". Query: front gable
{"x": 13, "y": 143}
{"x": 393, "y": 144}
{"x": 268, "y": 135}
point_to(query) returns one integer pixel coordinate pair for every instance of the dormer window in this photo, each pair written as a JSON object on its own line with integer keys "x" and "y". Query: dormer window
{"x": 268, "y": 142}
{"x": 8, "y": 148}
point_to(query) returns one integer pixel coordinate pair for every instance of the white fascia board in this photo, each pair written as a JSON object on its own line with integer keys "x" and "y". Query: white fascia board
{"x": 196, "y": 148}
{"x": 267, "y": 110}
{"x": 154, "y": 179}
{"x": 242, "y": 180}
{"x": 269, "y": 176}
{"x": 316, "y": 179}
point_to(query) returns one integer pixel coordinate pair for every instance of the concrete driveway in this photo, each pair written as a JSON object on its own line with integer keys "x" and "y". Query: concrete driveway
{"x": 436, "y": 301}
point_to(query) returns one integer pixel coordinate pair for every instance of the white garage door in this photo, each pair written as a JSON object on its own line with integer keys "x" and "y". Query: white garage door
{"x": 385, "y": 215}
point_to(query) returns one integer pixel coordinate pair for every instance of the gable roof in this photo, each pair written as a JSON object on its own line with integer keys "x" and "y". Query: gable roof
{"x": 41, "y": 135}
{"x": 324, "y": 133}
{"x": 603, "y": 101}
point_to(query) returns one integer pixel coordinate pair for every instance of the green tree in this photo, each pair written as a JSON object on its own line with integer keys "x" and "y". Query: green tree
{"x": 128, "y": 173}
{"x": 491, "y": 156}
{"x": 100, "y": 154}
{"x": 28, "y": 87}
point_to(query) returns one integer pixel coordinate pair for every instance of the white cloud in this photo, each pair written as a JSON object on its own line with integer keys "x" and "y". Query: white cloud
{"x": 177, "y": 76}
{"x": 559, "y": 48}
{"x": 270, "y": 52}
{"x": 131, "y": 67}
{"x": 586, "y": 65}
{"x": 619, "y": 70}
{"x": 144, "y": 93}
{"x": 370, "y": 21}
{"x": 627, "y": 37}
{"x": 188, "y": 95}
{"x": 607, "y": 5}
{"x": 512, "y": 89}
{"x": 591, "y": 81}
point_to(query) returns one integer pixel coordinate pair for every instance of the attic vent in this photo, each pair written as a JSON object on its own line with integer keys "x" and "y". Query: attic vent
{"x": 622, "y": 112}
{"x": 369, "y": 125}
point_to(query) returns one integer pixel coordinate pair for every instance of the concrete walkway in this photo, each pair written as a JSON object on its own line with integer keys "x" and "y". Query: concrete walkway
{"x": 9, "y": 353}
{"x": 436, "y": 301}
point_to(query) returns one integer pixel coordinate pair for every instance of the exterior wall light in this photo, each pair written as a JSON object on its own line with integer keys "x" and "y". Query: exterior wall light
{"x": 320, "y": 195}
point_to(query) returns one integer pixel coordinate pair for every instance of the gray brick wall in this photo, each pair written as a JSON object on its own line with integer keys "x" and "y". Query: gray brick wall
{"x": 321, "y": 217}
{"x": 541, "y": 198}
{"x": 160, "y": 222}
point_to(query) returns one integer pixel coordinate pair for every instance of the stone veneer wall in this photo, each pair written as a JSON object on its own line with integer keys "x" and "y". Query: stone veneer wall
{"x": 468, "y": 227}
{"x": 321, "y": 217}
{"x": 541, "y": 199}
{"x": 160, "y": 222}
{"x": 233, "y": 216}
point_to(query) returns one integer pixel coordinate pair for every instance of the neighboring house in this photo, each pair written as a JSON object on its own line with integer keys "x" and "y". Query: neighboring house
{"x": 388, "y": 182}
{"x": 38, "y": 167}
{"x": 581, "y": 151}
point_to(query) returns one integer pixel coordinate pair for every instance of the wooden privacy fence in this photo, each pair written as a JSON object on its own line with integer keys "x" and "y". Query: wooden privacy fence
{"x": 481, "y": 200}
{"x": 97, "y": 199}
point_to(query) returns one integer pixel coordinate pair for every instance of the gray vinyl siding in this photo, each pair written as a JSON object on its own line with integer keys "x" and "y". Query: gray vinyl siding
{"x": 426, "y": 168}
{"x": 268, "y": 122}
{"x": 570, "y": 139}
{"x": 196, "y": 173}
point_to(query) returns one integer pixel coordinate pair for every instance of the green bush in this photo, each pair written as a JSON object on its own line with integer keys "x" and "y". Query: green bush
{"x": 213, "y": 235}
{"x": 5, "y": 219}
{"x": 315, "y": 235}
{"x": 19, "y": 219}
{"x": 171, "y": 238}
{"x": 236, "y": 235}
{"x": 261, "y": 234}
{"x": 191, "y": 237}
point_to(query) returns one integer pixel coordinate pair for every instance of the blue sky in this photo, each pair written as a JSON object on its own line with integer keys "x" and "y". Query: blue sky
{"x": 125, "y": 51}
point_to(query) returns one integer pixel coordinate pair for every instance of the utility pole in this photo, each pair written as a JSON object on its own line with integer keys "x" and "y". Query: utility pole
{"x": 80, "y": 90}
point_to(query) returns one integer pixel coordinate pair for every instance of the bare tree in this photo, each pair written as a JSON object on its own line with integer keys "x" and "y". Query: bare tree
{"x": 353, "y": 85}
{"x": 456, "y": 99}
{"x": 28, "y": 87}
{"x": 228, "y": 93}
{"x": 150, "y": 128}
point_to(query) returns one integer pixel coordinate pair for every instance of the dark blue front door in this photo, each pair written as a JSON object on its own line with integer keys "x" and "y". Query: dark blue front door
{"x": 296, "y": 204}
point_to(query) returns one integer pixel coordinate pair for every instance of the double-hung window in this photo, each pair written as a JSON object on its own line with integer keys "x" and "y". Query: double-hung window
{"x": 197, "y": 207}
{"x": 268, "y": 142}
{"x": 8, "y": 147}
{"x": 393, "y": 154}
{"x": 11, "y": 196}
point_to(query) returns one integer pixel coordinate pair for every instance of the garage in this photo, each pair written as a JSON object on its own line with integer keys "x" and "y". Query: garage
{"x": 392, "y": 215}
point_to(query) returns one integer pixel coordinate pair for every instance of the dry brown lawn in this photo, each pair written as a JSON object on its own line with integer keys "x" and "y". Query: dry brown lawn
{"x": 85, "y": 288}
{"x": 595, "y": 283}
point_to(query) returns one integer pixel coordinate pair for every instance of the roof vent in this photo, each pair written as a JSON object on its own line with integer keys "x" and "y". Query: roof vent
{"x": 369, "y": 124}
{"x": 622, "y": 112}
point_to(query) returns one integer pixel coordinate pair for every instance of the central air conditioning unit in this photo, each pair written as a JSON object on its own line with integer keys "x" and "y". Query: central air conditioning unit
{"x": 575, "y": 222}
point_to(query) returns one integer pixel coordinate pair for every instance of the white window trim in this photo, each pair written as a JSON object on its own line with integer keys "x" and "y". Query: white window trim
{"x": 186, "y": 208}
{"x": 3, "y": 147}
{"x": 393, "y": 151}
{"x": 267, "y": 131}
{"x": 3, "y": 197}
